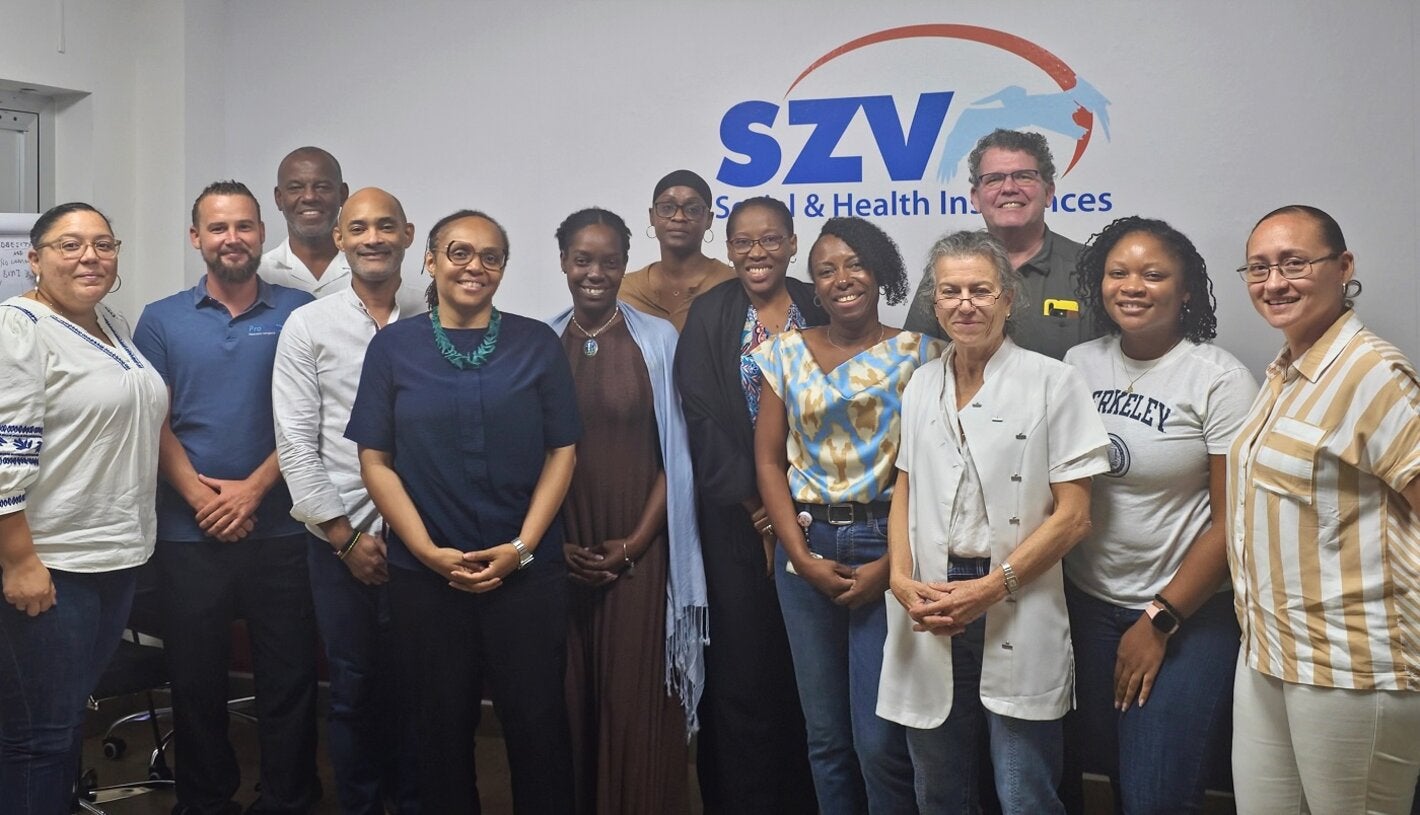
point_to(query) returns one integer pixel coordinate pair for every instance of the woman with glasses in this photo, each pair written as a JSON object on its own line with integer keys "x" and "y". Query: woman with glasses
{"x": 752, "y": 755}
{"x": 637, "y": 628}
{"x": 1151, "y": 616}
{"x": 1323, "y": 486}
{"x": 998, "y": 448}
{"x": 80, "y": 412}
{"x": 825, "y": 445}
{"x": 681, "y": 216}
{"x": 466, "y": 423}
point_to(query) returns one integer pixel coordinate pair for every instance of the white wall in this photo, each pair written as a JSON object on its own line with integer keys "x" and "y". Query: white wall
{"x": 1220, "y": 112}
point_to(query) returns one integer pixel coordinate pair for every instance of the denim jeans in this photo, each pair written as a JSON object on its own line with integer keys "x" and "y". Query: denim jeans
{"x": 859, "y": 761}
{"x": 1158, "y": 756}
{"x": 371, "y": 745}
{"x": 1026, "y": 756}
{"x": 49, "y": 665}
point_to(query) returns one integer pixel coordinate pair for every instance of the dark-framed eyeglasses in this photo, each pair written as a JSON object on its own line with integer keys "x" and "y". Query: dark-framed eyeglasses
{"x": 1291, "y": 268}
{"x": 1023, "y": 178}
{"x": 71, "y": 248}
{"x": 694, "y": 210}
{"x": 461, "y": 253}
{"x": 980, "y": 299}
{"x": 771, "y": 243}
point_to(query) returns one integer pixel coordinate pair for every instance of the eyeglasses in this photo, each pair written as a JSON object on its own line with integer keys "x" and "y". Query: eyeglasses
{"x": 694, "y": 210}
{"x": 1291, "y": 268}
{"x": 71, "y": 248}
{"x": 1023, "y": 178}
{"x": 981, "y": 299}
{"x": 462, "y": 254}
{"x": 770, "y": 243}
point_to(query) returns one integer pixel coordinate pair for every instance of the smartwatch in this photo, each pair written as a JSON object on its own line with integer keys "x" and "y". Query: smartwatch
{"x": 1162, "y": 618}
{"x": 525, "y": 558}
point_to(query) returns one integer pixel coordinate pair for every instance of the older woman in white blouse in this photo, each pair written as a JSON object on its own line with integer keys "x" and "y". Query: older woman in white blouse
{"x": 80, "y": 410}
{"x": 998, "y": 448}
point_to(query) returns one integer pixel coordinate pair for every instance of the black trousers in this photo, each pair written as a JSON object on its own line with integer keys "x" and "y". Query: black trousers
{"x": 514, "y": 639}
{"x": 752, "y": 756}
{"x": 204, "y": 587}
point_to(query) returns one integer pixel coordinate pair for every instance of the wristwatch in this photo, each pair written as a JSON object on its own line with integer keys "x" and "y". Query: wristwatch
{"x": 525, "y": 558}
{"x": 1162, "y": 618}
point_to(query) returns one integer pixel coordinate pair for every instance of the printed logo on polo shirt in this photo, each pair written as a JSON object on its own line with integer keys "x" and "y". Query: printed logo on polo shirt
{"x": 264, "y": 330}
{"x": 913, "y": 121}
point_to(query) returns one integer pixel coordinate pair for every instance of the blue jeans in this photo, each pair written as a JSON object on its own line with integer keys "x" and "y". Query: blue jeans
{"x": 1158, "y": 756}
{"x": 49, "y": 665}
{"x": 372, "y": 747}
{"x": 859, "y": 761}
{"x": 1026, "y": 756}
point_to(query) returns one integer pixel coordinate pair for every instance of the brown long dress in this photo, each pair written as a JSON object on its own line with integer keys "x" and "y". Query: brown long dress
{"x": 628, "y": 733}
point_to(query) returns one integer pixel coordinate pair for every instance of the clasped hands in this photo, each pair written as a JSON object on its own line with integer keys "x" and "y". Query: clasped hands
{"x": 227, "y": 509}
{"x": 601, "y": 564}
{"x": 474, "y": 572}
{"x": 845, "y": 585}
{"x": 947, "y": 608}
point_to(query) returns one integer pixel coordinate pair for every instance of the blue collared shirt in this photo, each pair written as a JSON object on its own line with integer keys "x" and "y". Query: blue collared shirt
{"x": 218, "y": 368}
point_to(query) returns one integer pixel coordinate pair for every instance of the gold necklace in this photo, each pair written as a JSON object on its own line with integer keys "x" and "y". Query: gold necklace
{"x": 828, "y": 331}
{"x": 1154, "y": 363}
{"x": 590, "y": 347}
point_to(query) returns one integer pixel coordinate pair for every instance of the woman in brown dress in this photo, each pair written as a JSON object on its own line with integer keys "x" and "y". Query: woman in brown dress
{"x": 637, "y": 627}
{"x": 681, "y": 215}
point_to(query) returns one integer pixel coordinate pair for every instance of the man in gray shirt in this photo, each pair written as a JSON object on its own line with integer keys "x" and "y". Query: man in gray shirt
{"x": 318, "y": 361}
{"x": 1012, "y": 182}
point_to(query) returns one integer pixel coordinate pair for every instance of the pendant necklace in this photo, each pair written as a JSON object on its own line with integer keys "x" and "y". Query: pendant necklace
{"x": 1125, "y": 366}
{"x": 590, "y": 347}
{"x": 828, "y": 331}
{"x": 477, "y": 356}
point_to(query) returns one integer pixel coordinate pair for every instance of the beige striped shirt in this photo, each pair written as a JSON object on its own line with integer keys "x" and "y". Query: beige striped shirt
{"x": 1324, "y": 552}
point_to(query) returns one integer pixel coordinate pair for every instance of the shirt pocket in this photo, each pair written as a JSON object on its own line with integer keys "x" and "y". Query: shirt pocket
{"x": 1286, "y": 460}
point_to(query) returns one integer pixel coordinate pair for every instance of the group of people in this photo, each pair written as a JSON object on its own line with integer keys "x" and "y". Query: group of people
{"x": 1046, "y": 526}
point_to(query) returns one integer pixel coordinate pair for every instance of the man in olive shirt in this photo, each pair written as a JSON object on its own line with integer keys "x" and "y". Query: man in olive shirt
{"x": 1012, "y": 182}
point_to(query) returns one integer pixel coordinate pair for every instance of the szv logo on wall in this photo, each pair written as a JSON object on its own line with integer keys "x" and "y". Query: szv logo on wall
{"x": 901, "y": 150}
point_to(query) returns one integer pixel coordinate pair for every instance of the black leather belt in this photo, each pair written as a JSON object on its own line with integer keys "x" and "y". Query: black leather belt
{"x": 845, "y": 514}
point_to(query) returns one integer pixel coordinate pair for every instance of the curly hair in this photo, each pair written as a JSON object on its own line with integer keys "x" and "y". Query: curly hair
{"x": 1198, "y": 320}
{"x": 875, "y": 250}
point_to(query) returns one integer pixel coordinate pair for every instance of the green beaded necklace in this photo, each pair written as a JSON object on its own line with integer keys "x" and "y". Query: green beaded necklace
{"x": 477, "y": 356}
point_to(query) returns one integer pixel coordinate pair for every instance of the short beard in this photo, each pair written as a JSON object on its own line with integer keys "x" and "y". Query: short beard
{"x": 239, "y": 275}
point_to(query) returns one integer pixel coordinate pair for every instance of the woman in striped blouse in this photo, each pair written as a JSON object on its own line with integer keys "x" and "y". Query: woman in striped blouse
{"x": 1324, "y": 541}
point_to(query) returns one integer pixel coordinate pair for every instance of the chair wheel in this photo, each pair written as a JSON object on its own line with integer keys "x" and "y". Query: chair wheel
{"x": 114, "y": 747}
{"x": 88, "y": 782}
{"x": 160, "y": 773}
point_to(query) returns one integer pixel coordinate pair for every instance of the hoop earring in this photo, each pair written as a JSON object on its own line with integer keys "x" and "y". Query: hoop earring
{"x": 1347, "y": 292}
{"x": 650, "y": 231}
{"x": 709, "y": 236}
{"x": 117, "y": 283}
{"x": 817, "y": 302}
{"x": 792, "y": 259}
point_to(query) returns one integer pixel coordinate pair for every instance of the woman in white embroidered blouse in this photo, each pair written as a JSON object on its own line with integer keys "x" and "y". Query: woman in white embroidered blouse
{"x": 79, "y": 418}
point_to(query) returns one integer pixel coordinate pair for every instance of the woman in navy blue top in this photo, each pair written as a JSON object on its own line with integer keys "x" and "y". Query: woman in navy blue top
{"x": 466, "y": 423}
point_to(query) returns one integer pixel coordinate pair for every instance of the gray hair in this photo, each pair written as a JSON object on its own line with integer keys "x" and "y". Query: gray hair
{"x": 970, "y": 243}
{"x": 1018, "y": 141}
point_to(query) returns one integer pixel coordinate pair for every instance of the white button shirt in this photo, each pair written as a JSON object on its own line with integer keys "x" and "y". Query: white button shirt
{"x": 317, "y": 372}
{"x": 282, "y": 267}
{"x": 1032, "y": 424}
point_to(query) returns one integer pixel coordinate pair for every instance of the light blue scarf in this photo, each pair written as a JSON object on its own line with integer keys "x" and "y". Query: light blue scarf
{"x": 687, "y": 626}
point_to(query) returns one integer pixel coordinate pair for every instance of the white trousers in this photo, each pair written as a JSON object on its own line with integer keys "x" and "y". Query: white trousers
{"x": 1325, "y": 751}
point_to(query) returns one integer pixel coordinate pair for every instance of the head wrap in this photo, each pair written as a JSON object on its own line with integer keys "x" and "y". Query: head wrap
{"x": 684, "y": 178}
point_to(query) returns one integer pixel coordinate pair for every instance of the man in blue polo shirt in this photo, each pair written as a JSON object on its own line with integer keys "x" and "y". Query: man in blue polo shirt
{"x": 227, "y": 546}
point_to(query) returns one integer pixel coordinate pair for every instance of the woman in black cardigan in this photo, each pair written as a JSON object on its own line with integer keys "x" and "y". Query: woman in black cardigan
{"x": 752, "y": 753}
